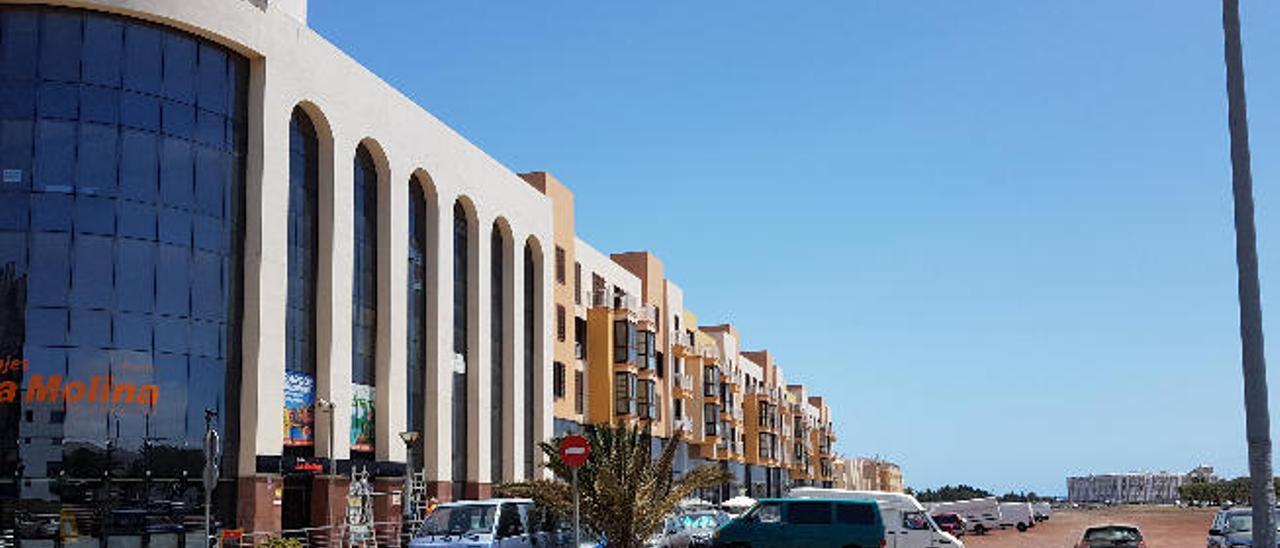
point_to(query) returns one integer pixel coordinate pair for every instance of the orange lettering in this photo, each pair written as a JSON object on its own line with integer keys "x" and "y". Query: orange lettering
{"x": 75, "y": 392}
{"x": 120, "y": 388}
{"x": 148, "y": 394}
{"x": 38, "y": 390}
{"x": 8, "y": 391}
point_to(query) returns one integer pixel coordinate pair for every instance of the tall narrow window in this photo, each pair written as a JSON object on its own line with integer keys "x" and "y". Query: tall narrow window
{"x": 558, "y": 380}
{"x": 417, "y": 326}
{"x": 300, "y": 306}
{"x": 561, "y": 323}
{"x": 497, "y": 342}
{"x": 560, "y": 268}
{"x": 364, "y": 303}
{"x": 530, "y": 284}
{"x": 577, "y": 282}
{"x": 461, "y": 319}
{"x": 579, "y": 392}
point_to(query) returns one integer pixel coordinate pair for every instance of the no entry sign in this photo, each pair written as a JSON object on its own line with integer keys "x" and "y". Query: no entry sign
{"x": 574, "y": 450}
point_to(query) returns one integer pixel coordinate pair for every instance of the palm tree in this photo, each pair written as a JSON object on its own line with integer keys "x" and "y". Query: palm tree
{"x": 625, "y": 493}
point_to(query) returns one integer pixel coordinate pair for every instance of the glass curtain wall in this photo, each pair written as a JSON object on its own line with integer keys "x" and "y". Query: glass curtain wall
{"x": 122, "y": 149}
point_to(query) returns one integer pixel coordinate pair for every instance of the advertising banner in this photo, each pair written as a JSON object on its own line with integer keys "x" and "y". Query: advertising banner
{"x": 362, "y": 417}
{"x": 299, "y": 409}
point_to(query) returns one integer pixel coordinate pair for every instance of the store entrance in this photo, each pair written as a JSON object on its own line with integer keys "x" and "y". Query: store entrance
{"x": 295, "y": 511}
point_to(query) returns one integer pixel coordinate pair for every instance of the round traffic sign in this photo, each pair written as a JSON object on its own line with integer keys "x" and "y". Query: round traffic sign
{"x": 574, "y": 450}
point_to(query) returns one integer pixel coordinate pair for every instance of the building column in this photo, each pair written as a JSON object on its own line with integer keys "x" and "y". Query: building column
{"x": 262, "y": 335}
{"x": 544, "y": 403}
{"x": 438, "y": 442}
{"x": 478, "y": 364}
{"x": 392, "y": 355}
{"x": 333, "y": 298}
{"x": 513, "y": 397}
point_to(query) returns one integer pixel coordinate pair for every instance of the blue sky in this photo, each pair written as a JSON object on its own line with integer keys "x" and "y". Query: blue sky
{"x": 997, "y": 235}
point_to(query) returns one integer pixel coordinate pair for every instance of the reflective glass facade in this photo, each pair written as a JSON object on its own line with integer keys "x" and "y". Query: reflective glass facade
{"x": 121, "y": 223}
{"x": 461, "y": 320}
{"x": 497, "y": 339}
{"x": 416, "y": 309}
{"x": 364, "y": 302}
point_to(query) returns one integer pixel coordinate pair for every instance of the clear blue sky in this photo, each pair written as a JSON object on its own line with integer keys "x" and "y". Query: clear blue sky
{"x": 997, "y": 235}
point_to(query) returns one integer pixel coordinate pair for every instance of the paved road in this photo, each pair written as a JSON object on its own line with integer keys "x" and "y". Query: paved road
{"x": 1163, "y": 527}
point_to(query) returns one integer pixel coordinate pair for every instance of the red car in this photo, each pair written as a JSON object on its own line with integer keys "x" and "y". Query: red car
{"x": 951, "y": 523}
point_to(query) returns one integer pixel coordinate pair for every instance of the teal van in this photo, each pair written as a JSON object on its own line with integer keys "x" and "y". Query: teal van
{"x": 806, "y": 523}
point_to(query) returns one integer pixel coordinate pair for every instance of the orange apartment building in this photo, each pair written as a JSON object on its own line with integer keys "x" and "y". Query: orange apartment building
{"x": 627, "y": 350}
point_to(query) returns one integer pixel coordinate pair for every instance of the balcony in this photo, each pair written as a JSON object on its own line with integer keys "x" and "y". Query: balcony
{"x": 683, "y": 382}
{"x": 682, "y": 340}
{"x": 708, "y": 352}
{"x": 683, "y": 425}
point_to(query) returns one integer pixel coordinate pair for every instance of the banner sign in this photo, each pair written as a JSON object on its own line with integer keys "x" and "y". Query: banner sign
{"x": 362, "y": 417}
{"x": 299, "y": 409}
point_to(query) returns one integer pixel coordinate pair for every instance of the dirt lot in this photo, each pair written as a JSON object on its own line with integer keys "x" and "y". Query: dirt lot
{"x": 1161, "y": 526}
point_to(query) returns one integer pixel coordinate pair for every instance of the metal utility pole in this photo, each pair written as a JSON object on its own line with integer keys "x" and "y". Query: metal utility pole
{"x": 1257, "y": 420}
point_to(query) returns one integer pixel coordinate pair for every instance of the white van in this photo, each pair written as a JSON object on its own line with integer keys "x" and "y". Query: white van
{"x": 491, "y": 523}
{"x": 1043, "y": 511}
{"x": 906, "y": 523}
{"x": 982, "y": 514}
{"x": 1018, "y": 515}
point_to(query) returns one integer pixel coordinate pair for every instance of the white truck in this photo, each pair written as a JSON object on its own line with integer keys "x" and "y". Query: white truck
{"x": 982, "y": 514}
{"x": 1018, "y": 515}
{"x": 906, "y": 523}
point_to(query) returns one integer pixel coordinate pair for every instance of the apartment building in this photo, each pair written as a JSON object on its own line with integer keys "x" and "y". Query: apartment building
{"x": 867, "y": 474}
{"x": 1133, "y": 487}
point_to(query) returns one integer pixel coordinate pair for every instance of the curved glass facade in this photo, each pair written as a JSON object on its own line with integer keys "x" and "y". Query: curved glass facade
{"x": 121, "y": 223}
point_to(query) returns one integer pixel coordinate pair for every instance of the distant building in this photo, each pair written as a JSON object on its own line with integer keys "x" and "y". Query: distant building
{"x": 868, "y": 474}
{"x": 1134, "y": 487}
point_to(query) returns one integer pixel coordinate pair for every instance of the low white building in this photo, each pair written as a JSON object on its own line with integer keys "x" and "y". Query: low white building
{"x": 1132, "y": 487}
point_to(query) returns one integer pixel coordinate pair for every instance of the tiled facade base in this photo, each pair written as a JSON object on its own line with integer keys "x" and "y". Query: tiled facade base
{"x": 442, "y": 491}
{"x": 474, "y": 490}
{"x": 387, "y": 509}
{"x": 329, "y": 500}
{"x": 255, "y": 506}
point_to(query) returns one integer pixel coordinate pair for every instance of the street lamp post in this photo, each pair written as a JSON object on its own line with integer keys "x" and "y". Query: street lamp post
{"x": 1257, "y": 420}
{"x": 327, "y": 406}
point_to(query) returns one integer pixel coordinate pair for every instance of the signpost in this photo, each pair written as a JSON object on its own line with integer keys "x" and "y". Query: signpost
{"x": 574, "y": 451}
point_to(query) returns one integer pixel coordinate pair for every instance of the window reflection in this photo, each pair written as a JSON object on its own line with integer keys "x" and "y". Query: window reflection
{"x": 122, "y": 146}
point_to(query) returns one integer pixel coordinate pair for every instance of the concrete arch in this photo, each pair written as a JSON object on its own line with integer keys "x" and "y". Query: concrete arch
{"x": 502, "y": 349}
{"x": 468, "y": 434}
{"x": 421, "y": 187}
{"x": 533, "y": 352}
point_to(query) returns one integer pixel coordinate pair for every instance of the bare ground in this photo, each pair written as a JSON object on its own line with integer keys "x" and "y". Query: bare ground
{"x": 1162, "y": 527}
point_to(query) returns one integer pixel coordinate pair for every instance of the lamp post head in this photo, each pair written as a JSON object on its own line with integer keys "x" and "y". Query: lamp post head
{"x": 409, "y": 437}
{"x": 324, "y": 404}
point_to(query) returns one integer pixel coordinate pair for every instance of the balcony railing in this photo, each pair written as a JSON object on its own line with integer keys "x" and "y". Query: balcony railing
{"x": 681, "y": 338}
{"x": 684, "y": 381}
{"x": 708, "y": 352}
{"x": 616, "y": 301}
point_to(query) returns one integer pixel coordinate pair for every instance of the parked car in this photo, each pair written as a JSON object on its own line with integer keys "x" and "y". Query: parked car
{"x": 951, "y": 522}
{"x": 690, "y": 529}
{"x": 505, "y": 523}
{"x": 1232, "y": 527}
{"x": 906, "y": 523}
{"x": 811, "y": 523}
{"x": 1111, "y": 536}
